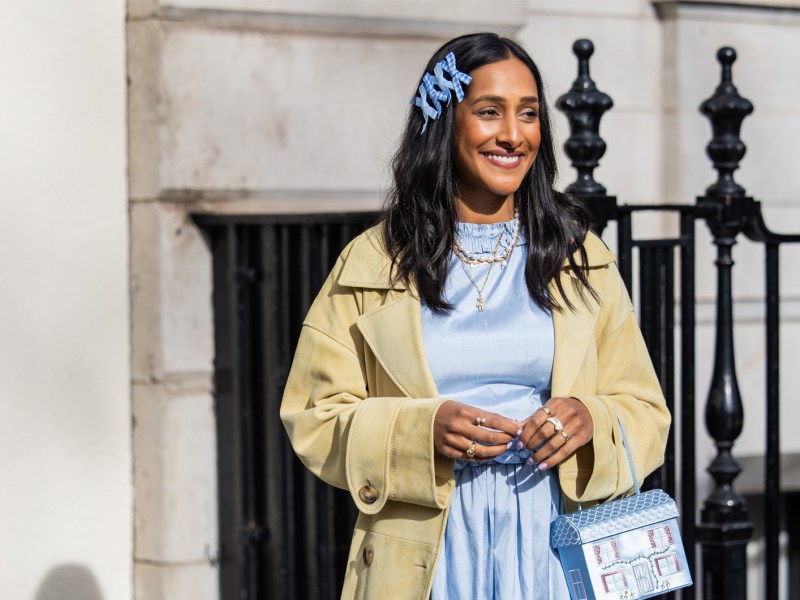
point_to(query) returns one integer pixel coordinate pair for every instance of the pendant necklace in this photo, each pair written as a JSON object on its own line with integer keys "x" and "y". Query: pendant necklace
{"x": 480, "y": 304}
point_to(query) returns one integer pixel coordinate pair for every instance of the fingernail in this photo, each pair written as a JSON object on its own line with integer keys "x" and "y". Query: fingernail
{"x": 508, "y": 445}
{"x": 519, "y": 432}
{"x": 542, "y": 466}
{"x": 520, "y": 445}
{"x": 530, "y": 460}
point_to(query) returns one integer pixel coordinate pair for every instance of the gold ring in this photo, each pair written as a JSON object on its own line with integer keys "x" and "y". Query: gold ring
{"x": 546, "y": 410}
{"x": 566, "y": 437}
{"x": 471, "y": 449}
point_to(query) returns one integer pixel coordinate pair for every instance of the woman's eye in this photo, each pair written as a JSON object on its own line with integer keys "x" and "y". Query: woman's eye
{"x": 488, "y": 112}
{"x": 530, "y": 115}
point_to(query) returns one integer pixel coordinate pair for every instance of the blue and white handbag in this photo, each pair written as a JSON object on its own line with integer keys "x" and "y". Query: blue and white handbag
{"x": 628, "y": 548}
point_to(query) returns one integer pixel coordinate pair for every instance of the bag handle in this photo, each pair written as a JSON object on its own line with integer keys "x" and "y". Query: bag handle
{"x": 630, "y": 458}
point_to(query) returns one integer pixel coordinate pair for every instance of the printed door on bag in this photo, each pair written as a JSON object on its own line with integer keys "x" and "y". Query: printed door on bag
{"x": 643, "y": 579}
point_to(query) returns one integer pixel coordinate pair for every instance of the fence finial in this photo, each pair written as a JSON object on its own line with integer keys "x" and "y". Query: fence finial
{"x": 584, "y": 105}
{"x": 726, "y": 110}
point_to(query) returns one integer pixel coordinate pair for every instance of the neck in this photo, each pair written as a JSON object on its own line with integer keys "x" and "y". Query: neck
{"x": 495, "y": 210}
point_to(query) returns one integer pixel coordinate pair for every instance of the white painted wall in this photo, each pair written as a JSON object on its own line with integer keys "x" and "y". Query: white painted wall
{"x": 65, "y": 444}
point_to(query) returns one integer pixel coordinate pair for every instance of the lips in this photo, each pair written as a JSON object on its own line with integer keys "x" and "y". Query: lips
{"x": 505, "y": 161}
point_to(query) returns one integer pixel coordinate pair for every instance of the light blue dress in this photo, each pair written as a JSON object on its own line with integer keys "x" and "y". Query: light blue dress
{"x": 497, "y": 539}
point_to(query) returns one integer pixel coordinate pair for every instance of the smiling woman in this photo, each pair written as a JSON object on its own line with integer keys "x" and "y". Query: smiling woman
{"x": 463, "y": 369}
{"x": 496, "y": 139}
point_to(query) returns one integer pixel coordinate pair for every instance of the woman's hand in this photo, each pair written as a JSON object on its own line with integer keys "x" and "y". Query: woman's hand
{"x": 569, "y": 427}
{"x": 457, "y": 434}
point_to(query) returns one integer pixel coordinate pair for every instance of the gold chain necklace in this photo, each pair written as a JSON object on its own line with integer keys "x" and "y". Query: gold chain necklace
{"x": 480, "y": 303}
{"x": 473, "y": 260}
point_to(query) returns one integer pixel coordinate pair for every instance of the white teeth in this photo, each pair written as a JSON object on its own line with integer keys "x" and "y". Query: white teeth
{"x": 504, "y": 159}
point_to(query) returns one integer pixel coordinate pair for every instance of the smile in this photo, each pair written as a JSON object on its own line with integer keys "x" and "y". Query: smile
{"x": 503, "y": 160}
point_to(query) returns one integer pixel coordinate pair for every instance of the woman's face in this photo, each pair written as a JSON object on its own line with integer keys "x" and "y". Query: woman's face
{"x": 496, "y": 134}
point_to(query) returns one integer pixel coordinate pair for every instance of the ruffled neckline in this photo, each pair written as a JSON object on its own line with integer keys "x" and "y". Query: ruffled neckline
{"x": 481, "y": 238}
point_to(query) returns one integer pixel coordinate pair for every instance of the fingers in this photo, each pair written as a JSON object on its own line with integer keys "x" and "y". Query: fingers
{"x": 500, "y": 423}
{"x": 459, "y": 446}
{"x": 547, "y": 458}
{"x": 457, "y": 425}
{"x": 556, "y": 431}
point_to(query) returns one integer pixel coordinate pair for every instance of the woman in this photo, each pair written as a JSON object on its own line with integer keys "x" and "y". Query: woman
{"x": 462, "y": 369}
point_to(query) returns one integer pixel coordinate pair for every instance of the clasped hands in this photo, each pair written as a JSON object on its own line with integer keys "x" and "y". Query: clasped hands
{"x": 551, "y": 433}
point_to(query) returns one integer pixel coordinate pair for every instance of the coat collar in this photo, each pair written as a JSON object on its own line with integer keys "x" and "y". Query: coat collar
{"x": 394, "y": 333}
{"x": 368, "y": 264}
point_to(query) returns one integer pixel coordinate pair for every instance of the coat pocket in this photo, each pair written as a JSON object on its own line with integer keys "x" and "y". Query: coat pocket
{"x": 382, "y": 566}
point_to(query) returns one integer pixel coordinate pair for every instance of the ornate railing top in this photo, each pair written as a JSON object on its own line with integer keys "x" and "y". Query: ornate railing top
{"x": 584, "y": 106}
{"x": 726, "y": 110}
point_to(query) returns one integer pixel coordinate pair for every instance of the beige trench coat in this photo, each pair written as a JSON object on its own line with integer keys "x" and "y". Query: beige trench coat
{"x": 360, "y": 402}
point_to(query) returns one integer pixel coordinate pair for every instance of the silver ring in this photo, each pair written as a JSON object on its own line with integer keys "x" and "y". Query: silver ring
{"x": 546, "y": 410}
{"x": 556, "y": 423}
{"x": 566, "y": 437}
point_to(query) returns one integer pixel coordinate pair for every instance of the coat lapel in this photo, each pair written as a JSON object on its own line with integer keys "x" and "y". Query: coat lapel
{"x": 394, "y": 330}
{"x": 394, "y": 333}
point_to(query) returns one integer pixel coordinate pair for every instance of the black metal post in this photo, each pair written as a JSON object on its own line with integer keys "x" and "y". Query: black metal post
{"x": 725, "y": 528}
{"x": 772, "y": 480}
{"x": 687, "y": 418}
{"x": 584, "y": 106}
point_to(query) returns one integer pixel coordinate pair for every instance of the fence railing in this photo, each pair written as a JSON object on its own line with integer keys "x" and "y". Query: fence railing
{"x": 724, "y": 528}
{"x": 285, "y": 535}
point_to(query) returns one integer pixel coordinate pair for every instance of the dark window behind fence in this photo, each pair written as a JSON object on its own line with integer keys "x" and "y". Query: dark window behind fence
{"x": 283, "y": 533}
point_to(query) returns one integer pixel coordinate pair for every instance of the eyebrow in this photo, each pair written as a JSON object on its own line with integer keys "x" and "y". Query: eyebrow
{"x": 489, "y": 98}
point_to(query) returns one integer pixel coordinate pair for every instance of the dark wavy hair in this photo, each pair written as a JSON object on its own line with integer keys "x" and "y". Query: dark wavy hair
{"x": 421, "y": 211}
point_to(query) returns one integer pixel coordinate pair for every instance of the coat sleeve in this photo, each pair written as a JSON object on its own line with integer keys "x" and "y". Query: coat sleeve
{"x": 626, "y": 386}
{"x": 379, "y": 448}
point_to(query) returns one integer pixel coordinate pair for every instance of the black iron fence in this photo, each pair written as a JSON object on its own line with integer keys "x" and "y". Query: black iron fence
{"x": 724, "y": 528}
{"x": 285, "y": 535}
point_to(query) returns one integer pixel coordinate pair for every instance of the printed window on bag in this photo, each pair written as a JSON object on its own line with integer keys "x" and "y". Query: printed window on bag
{"x": 643, "y": 579}
{"x": 576, "y": 581}
{"x": 667, "y": 565}
{"x": 660, "y": 536}
{"x": 606, "y": 552}
{"x": 614, "y": 582}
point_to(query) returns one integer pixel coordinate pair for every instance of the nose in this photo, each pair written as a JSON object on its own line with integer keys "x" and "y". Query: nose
{"x": 509, "y": 135}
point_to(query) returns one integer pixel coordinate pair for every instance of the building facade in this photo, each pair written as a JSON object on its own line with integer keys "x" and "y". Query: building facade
{"x": 287, "y": 106}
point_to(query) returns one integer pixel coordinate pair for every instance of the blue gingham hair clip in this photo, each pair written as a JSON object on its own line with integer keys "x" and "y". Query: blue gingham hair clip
{"x": 436, "y": 88}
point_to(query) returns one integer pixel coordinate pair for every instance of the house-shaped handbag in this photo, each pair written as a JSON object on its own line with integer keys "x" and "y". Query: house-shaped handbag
{"x": 624, "y": 549}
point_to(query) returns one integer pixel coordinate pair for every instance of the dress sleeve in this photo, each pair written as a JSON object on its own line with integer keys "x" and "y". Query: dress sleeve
{"x": 626, "y": 386}
{"x": 378, "y": 447}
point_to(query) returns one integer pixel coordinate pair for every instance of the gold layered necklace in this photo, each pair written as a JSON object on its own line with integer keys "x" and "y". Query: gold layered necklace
{"x": 470, "y": 260}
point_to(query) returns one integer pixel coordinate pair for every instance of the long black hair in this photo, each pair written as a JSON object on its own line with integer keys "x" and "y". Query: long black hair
{"x": 421, "y": 210}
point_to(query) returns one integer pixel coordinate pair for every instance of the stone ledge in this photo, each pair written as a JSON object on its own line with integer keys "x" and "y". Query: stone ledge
{"x": 365, "y": 19}
{"x": 775, "y": 4}
{"x": 751, "y": 481}
{"x": 672, "y": 9}
{"x": 608, "y": 9}
{"x": 269, "y": 202}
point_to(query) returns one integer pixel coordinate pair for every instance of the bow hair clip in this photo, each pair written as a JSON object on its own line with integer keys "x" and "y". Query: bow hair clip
{"x": 436, "y": 89}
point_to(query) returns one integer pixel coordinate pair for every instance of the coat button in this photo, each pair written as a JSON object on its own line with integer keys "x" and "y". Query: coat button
{"x": 368, "y": 494}
{"x": 367, "y": 555}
